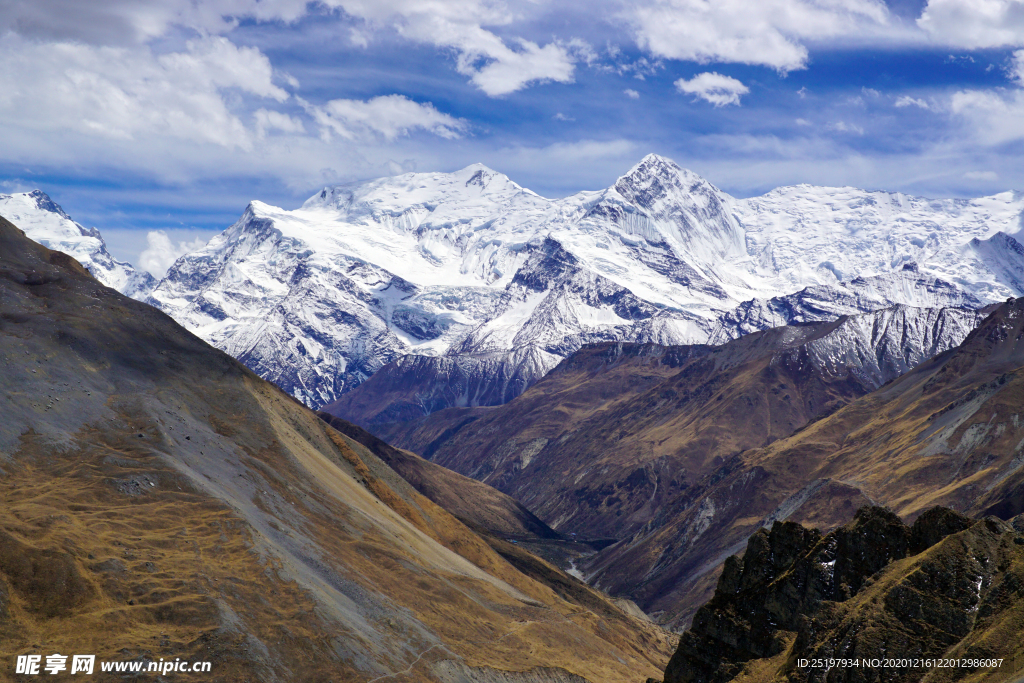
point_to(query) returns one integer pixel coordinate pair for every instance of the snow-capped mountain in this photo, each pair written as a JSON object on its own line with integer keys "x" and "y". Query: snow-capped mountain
{"x": 44, "y": 221}
{"x": 471, "y": 266}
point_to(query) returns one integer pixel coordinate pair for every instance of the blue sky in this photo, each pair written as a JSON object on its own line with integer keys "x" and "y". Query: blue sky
{"x": 140, "y": 116}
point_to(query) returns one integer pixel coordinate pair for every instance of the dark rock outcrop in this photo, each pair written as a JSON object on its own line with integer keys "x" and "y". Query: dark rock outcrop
{"x": 797, "y": 594}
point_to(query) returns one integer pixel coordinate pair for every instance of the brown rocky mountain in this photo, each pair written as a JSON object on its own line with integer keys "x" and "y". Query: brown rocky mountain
{"x": 947, "y": 433}
{"x": 158, "y": 500}
{"x": 618, "y": 431}
{"x": 874, "y": 590}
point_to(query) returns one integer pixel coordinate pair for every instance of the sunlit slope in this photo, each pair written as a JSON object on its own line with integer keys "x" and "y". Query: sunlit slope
{"x": 157, "y": 500}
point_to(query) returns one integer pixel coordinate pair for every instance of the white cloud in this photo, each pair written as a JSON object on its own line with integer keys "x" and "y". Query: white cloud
{"x": 494, "y": 66}
{"x": 160, "y": 253}
{"x": 974, "y": 24}
{"x": 717, "y": 89}
{"x": 388, "y": 116}
{"x": 992, "y": 117}
{"x": 269, "y": 120}
{"x": 844, "y": 127}
{"x": 125, "y": 93}
{"x": 768, "y": 32}
{"x": 631, "y": 94}
{"x": 1016, "y": 69}
{"x": 803, "y": 122}
{"x": 562, "y": 117}
{"x": 981, "y": 175}
{"x": 497, "y": 69}
{"x": 126, "y": 22}
{"x": 908, "y": 101}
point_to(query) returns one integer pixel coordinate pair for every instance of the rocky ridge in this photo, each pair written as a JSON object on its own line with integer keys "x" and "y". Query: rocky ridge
{"x": 944, "y": 587}
{"x": 155, "y": 488}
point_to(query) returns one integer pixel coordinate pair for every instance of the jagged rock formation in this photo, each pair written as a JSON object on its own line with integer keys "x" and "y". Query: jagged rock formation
{"x": 44, "y": 221}
{"x": 490, "y": 286}
{"x": 945, "y": 587}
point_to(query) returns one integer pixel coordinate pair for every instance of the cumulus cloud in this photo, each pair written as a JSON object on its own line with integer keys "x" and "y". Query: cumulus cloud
{"x": 124, "y": 93}
{"x": 161, "y": 253}
{"x": 631, "y": 94}
{"x": 769, "y": 32}
{"x": 908, "y": 101}
{"x": 498, "y": 69}
{"x": 495, "y": 65}
{"x": 1016, "y": 69}
{"x": 717, "y": 89}
{"x": 974, "y": 24}
{"x": 994, "y": 117}
{"x": 387, "y": 116}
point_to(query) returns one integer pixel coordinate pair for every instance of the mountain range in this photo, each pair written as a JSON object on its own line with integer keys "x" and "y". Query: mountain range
{"x": 45, "y": 221}
{"x": 473, "y": 287}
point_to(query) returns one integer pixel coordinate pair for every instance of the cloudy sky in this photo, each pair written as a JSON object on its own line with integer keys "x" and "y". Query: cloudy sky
{"x": 158, "y": 120}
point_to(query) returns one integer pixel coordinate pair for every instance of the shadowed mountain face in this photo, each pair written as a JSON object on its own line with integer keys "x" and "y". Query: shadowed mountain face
{"x": 157, "y": 499}
{"x": 946, "y": 587}
{"x": 618, "y": 431}
{"x": 948, "y": 432}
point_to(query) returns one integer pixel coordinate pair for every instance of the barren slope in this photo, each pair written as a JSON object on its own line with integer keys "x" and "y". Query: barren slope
{"x": 157, "y": 499}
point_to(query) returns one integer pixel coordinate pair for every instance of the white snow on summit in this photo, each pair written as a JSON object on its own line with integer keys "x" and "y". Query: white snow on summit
{"x": 44, "y": 221}
{"x": 474, "y": 268}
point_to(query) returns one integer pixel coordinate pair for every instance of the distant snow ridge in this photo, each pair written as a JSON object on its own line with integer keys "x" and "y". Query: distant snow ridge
{"x": 472, "y": 267}
{"x": 45, "y": 222}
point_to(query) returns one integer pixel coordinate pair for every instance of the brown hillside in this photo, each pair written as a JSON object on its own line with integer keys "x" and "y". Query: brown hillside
{"x": 157, "y": 500}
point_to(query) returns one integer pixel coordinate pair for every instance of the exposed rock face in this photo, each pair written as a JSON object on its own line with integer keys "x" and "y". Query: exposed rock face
{"x": 797, "y": 594}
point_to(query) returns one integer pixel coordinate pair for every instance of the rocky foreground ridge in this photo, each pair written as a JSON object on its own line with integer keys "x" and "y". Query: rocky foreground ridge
{"x": 945, "y": 587}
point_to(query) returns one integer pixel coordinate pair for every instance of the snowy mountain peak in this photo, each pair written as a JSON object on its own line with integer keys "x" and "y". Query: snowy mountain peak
{"x": 44, "y": 203}
{"x": 681, "y": 208}
{"x": 44, "y": 221}
{"x": 400, "y": 193}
